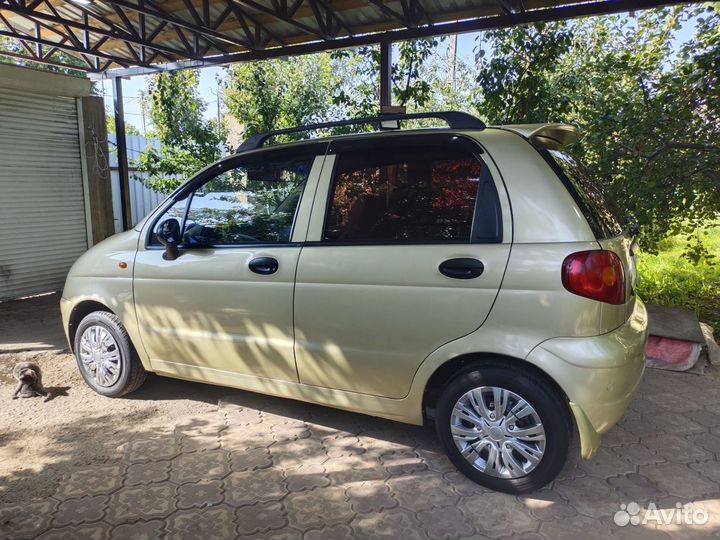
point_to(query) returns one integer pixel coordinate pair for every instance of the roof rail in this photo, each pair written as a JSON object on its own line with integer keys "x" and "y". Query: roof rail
{"x": 454, "y": 120}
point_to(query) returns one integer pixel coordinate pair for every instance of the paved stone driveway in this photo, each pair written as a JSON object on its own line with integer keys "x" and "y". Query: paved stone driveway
{"x": 269, "y": 468}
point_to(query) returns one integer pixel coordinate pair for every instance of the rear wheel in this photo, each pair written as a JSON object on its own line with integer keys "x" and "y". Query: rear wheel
{"x": 504, "y": 428}
{"x": 105, "y": 356}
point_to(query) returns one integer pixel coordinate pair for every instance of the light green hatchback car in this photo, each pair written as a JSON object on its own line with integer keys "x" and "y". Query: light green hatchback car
{"x": 469, "y": 276}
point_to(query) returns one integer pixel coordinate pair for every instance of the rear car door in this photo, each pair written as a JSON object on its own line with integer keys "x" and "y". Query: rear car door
{"x": 406, "y": 249}
{"x": 225, "y": 304}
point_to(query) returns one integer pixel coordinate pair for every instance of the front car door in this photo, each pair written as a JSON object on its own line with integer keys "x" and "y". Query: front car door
{"x": 225, "y": 304}
{"x": 406, "y": 249}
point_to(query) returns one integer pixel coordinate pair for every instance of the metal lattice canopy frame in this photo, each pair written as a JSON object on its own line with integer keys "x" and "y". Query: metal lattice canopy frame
{"x": 133, "y": 37}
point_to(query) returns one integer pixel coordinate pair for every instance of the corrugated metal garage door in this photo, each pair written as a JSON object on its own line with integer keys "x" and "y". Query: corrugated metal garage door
{"x": 42, "y": 212}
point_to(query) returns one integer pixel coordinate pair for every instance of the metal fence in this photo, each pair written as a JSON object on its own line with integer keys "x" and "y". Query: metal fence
{"x": 142, "y": 199}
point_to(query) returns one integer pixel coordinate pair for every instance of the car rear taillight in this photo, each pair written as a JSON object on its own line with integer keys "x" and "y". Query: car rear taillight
{"x": 595, "y": 274}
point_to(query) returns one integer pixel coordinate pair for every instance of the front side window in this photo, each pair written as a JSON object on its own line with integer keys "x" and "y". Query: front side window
{"x": 404, "y": 195}
{"x": 253, "y": 203}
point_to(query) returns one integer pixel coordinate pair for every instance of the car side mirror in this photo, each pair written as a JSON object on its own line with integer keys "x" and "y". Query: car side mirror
{"x": 168, "y": 234}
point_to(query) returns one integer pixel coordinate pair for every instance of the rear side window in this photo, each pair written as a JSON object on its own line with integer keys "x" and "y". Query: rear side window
{"x": 599, "y": 210}
{"x": 410, "y": 194}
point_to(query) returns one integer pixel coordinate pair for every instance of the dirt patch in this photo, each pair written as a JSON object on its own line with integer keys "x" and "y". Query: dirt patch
{"x": 40, "y": 442}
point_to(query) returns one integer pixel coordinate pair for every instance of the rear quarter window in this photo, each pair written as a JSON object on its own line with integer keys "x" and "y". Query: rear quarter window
{"x": 599, "y": 210}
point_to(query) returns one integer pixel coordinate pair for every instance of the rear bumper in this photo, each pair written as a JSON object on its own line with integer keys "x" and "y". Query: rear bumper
{"x": 598, "y": 374}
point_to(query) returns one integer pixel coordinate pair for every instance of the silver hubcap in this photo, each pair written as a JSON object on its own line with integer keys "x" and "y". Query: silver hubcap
{"x": 498, "y": 432}
{"x": 100, "y": 355}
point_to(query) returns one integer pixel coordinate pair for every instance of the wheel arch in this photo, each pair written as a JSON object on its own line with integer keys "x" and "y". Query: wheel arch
{"x": 79, "y": 312}
{"x": 450, "y": 369}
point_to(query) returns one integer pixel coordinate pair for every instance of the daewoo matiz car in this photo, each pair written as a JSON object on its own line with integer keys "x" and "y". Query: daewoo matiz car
{"x": 469, "y": 276}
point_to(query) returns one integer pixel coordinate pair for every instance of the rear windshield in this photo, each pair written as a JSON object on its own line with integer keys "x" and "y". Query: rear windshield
{"x": 599, "y": 210}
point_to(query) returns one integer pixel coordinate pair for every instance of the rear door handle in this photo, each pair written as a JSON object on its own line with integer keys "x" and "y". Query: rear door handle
{"x": 264, "y": 265}
{"x": 461, "y": 268}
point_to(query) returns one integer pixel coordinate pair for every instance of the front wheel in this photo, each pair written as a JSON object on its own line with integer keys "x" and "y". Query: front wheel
{"x": 105, "y": 356}
{"x": 504, "y": 428}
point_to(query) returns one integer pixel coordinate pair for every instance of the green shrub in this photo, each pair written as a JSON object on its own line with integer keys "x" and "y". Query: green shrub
{"x": 685, "y": 273}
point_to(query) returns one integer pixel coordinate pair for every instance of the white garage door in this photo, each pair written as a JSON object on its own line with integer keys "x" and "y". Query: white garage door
{"x": 42, "y": 212}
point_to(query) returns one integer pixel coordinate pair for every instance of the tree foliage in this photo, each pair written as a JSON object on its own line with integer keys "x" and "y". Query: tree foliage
{"x": 188, "y": 142}
{"x": 280, "y": 93}
{"x": 649, "y": 114}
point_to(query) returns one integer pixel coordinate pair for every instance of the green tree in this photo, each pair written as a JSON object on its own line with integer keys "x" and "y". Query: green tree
{"x": 648, "y": 113}
{"x": 188, "y": 142}
{"x": 280, "y": 93}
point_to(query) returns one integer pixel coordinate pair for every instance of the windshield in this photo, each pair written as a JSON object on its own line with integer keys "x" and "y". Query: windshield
{"x": 599, "y": 210}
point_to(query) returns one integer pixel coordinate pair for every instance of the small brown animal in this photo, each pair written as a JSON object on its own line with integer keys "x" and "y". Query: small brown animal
{"x": 29, "y": 378}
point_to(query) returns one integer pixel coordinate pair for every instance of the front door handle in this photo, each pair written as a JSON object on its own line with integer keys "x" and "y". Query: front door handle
{"x": 461, "y": 268}
{"x": 264, "y": 265}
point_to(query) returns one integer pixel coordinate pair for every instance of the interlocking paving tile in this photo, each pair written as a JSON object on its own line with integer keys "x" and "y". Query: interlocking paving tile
{"x": 243, "y": 417}
{"x": 147, "y": 473}
{"x": 547, "y": 505}
{"x": 676, "y": 448}
{"x": 352, "y": 469}
{"x": 435, "y": 459}
{"x": 200, "y": 442}
{"x": 704, "y": 417}
{"x": 405, "y": 462}
{"x": 392, "y": 524}
{"x": 709, "y": 469}
{"x": 289, "y": 454}
{"x": 206, "y": 523}
{"x": 199, "y": 494}
{"x": 244, "y": 437}
{"x": 373, "y": 496}
{"x": 290, "y": 431}
{"x": 579, "y": 526}
{"x": 281, "y": 470}
{"x": 96, "y": 480}
{"x": 332, "y": 532}
{"x": 254, "y": 486}
{"x": 495, "y": 514}
{"x": 638, "y": 454}
{"x": 308, "y": 476}
{"x": 141, "y": 502}
{"x": 318, "y": 507}
{"x": 606, "y": 463}
{"x": 82, "y": 510}
{"x": 250, "y": 459}
{"x": 423, "y": 491}
{"x": 92, "y": 531}
{"x": 463, "y": 486}
{"x": 589, "y": 495}
{"x": 674, "y": 401}
{"x": 201, "y": 425}
{"x": 445, "y": 523}
{"x": 708, "y": 441}
{"x": 159, "y": 448}
{"x": 637, "y": 487}
{"x": 336, "y": 447}
{"x": 194, "y": 467}
{"x": 142, "y": 530}
{"x": 678, "y": 423}
{"x": 27, "y": 520}
{"x": 260, "y": 517}
{"x": 679, "y": 479}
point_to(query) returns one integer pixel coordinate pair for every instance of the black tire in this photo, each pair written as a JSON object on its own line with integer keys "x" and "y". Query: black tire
{"x": 551, "y": 408}
{"x": 132, "y": 374}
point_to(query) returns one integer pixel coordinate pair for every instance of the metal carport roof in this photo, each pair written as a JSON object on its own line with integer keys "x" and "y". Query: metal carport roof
{"x": 131, "y": 37}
